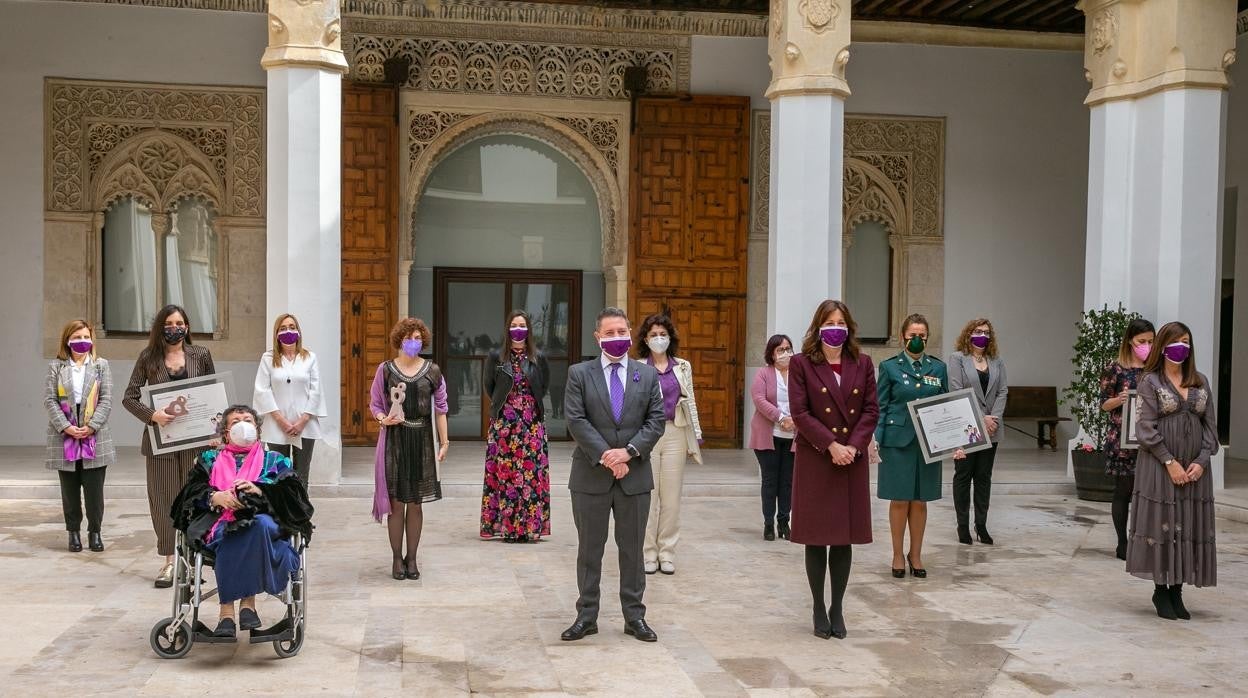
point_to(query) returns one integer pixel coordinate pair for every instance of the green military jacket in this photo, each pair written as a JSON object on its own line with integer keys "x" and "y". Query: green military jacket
{"x": 899, "y": 384}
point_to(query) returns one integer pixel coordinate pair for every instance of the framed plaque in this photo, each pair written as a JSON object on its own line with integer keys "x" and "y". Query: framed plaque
{"x": 1129, "y": 439}
{"x": 196, "y": 404}
{"x": 948, "y": 422}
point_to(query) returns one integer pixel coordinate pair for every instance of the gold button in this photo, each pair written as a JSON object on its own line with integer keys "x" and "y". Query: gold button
{"x": 851, "y": 411}
{"x": 827, "y": 409}
{"x": 823, "y": 390}
{"x": 855, "y": 391}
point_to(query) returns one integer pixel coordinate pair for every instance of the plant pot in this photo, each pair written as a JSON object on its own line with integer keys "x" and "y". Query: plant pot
{"x": 1091, "y": 482}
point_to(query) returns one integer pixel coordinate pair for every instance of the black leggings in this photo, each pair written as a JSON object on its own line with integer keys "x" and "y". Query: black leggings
{"x": 1120, "y": 509}
{"x": 74, "y": 485}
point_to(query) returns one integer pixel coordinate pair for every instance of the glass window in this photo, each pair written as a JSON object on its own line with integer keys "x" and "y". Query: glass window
{"x": 187, "y": 259}
{"x": 869, "y": 280}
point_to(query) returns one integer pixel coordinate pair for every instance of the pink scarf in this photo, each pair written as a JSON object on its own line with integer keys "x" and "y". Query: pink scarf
{"x": 225, "y": 471}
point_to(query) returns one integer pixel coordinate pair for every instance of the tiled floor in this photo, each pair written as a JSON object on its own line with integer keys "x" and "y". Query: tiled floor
{"x": 1046, "y": 611}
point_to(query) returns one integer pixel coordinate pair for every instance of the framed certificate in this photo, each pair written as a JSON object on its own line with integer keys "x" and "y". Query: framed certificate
{"x": 196, "y": 404}
{"x": 1129, "y": 439}
{"x": 945, "y": 423}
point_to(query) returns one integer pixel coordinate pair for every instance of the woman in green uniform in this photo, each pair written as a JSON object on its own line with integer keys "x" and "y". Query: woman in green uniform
{"x": 904, "y": 477}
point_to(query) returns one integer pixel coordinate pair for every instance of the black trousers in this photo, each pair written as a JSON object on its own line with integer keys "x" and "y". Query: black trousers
{"x": 302, "y": 457}
{"x": 76, "y": 485}
{"x": 975, "y": 469}
{"x": 776, "y": 467}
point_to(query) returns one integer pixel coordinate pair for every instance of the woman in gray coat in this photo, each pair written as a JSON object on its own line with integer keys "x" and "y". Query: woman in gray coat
{"x": 976, "y": 365}
{"x": 78, "y": 398}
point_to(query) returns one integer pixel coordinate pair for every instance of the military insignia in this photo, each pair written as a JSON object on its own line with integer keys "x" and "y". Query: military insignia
{"x": 931, "y": 380}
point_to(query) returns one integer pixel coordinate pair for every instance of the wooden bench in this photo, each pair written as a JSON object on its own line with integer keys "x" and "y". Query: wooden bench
{"x": 1036, "y": 404}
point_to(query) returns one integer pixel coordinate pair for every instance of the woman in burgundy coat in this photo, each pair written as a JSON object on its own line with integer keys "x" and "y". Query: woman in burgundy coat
{"x": 835, "y": 409}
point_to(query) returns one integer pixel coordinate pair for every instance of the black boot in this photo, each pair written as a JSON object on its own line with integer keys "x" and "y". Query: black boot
{"x": 1161, "y": 600}
{"x": 783, "y": 527}
{"x": 95, "y": 542}
{"x": 769, "y": 532}
{"x": 981, "y": 532}
{"x": 1176, "y": 600}
{"x": 964, "y": 534}
{"x": 75, "y": 542}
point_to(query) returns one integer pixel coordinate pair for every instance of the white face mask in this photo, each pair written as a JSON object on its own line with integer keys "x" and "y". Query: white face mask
{"x": 243, "y": 433}
{"x": 659, "y": 344}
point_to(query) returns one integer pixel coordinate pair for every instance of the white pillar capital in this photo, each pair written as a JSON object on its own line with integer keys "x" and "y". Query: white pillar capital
{"x": 306, "y": 33}
{"x": 808, "y": 47}
{"x": 1136, "y": 47}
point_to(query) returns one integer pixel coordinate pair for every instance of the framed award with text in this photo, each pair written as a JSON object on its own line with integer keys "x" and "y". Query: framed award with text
{"x": 196, "y": 405}
{"x": 946, "y": 423}
{"x": 1129, "y": 439}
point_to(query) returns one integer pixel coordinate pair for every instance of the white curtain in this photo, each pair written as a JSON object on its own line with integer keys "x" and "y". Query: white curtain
{"x": 190, "y": 257}
{"x": 129, "y": 267}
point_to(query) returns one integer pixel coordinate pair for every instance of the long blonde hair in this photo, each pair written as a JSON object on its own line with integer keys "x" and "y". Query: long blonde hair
{"x": 277, "y": 346}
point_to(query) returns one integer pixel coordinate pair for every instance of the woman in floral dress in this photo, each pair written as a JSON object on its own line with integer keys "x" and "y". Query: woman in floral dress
{"x": 515, "y": 503}
{"x": 1119, "y": 377}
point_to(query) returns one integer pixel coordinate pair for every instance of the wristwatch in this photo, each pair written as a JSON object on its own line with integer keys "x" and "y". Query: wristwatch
{"x": 632, "y": 451}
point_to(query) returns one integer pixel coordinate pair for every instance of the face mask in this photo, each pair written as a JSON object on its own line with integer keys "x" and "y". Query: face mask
{"x": 833, "y": 335}
{"x": 659, "y": 344}
{"x": 412, "y": 347}
{"x": 173, "y": 335}
{"x": 243, "y": 433}
{"x": 915, "y": 345}
{"x": 1178, "y": 352}
{"x": 288, "y": 337}
{"x": 615, "y": 347}
{"x": 80, "y": 346}
{"x": 980, "y": 341}
{"x": 782, "y": 358}
{"x": 518, "y": 334}
{"x": 1142, "y": 351}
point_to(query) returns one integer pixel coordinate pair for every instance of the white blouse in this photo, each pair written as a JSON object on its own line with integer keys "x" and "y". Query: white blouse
{"x": 294, "y": 389}
{"x": 782, "y": 401}
{"x": 78, "y": 376}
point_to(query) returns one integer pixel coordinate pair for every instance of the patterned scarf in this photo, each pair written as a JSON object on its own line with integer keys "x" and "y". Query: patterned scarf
{"x": 78, "y": 449}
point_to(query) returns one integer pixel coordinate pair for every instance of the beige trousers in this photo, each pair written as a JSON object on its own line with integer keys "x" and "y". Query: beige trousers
{"x": 667, "y": 460}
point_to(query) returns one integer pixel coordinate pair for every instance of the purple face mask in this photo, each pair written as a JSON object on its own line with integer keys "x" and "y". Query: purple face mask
{"x": 1178, "y": 352}
{"x": 412, "y": 347}
{"x": 980, "y": 341}
{"x": 518, "y": 334}
{"x": 616, "y": 347}
{"x": 289, "y": 337}
{"x": 833, "y": 335}
{"x": 80, "y": 346}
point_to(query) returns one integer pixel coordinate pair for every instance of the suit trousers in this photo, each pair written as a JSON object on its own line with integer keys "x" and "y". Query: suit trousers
{"x": 975, "y": 469}
{"x": 663, "y": 524}
{"x": 592, "y": 514}
{"x": 166, "y": 475}
{"x": 79, "y": 484}
{"x": 776, "y": 468}
{"x": 301, "y": 458}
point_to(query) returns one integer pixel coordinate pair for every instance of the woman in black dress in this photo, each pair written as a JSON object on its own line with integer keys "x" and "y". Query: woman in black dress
{"x": 408, "y": 399}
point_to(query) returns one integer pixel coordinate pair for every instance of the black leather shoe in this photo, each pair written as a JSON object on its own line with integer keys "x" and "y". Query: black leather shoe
{"x": 396, "y": 568}
{"x": 981, "y": 532}
{"x": 95, "y": 542}
{"x": 769, "y": 532}
{"x": 916, "y": 572}
{"x": 225, "y": 628}
{"x": 1163, "y": 604}
{"x": 964, "y": 534}
{"x": 783, "y": 529}
{"x": 578, "y": 630}
{"x": 248, "y": 619}
{"x": 75, "y": 542}
{"x": 1176, "y": 600}
{"x": 641, "y": 631}
{"x": 823, "y": 626}
{"x": 1120, "y": 552}
{"x": 413, "y": 572}
{"x": 838, "y": 625}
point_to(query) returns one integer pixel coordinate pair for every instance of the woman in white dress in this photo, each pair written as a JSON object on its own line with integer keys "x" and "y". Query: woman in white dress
{"x": 288, "y": 392}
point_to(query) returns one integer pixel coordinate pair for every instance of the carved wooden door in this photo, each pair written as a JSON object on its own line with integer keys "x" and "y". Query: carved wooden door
{"x": 370, "y": 156}
{"x": 689, "y": 234}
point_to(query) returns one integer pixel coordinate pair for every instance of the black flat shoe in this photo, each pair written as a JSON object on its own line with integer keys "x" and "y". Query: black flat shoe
{"x": 95, "y": 542}
{"x": 964, "y": 535}
{"x": 981, "y": 532}
{"x": 823, "y": 627}
{"x": 769, "y": 532}
{"x": 641, "y": 631}
{"x": 579, "y": 630}
{"x": 1176, "y": 601}
{"x": 917, "y": 572}
{"x": 396, "y": 568}
{"x": 75, "y": 542}
{"x": 248, "y": 619}
{"x": 783, "y": 529}
{"x": 225, "y": 628}
{"x": 1163, "y": 604}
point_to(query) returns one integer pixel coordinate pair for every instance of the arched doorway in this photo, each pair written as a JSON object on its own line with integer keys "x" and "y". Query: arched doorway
{"x": 505, "y": 220}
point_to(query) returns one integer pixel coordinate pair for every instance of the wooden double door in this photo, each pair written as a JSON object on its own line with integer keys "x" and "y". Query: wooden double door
{"x": 689, "y": 210}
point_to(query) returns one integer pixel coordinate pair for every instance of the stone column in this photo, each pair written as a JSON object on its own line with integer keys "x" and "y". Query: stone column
{"x": 808, "y": 44}
{"x": 305, "y": 65}
{"x": 1158, "y": 70}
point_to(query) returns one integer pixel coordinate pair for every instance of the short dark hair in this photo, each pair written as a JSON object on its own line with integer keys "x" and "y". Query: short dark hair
{"x": 232, "y": 409}
{"x": 773, "y": 343}
{"x": 609, "y": 311}
{"x": 663, "y": 320}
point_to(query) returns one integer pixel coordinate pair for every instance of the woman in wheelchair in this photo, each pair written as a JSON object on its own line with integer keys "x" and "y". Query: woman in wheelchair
{"x": 240, "y": 505}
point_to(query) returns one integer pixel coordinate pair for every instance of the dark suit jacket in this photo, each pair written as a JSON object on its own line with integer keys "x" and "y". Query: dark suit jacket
{"x": 198, "y": 363}
{"x": 498, "y": 380}
{"x": 587, "y": 407}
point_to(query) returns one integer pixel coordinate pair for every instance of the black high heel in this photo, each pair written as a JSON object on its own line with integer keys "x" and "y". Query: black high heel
{"x": 981, "y": 532}
{"x": 412, "y": 571}
{"x": 917, "y": 572}
{"x": 964, "y": 534}
{"x": 823, "y": 626}
{"x": 396, "y": 570}
{"x": 898, "y": 573}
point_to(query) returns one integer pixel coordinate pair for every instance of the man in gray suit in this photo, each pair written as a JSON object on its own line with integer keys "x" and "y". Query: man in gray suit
{"x": 614, "y": 410}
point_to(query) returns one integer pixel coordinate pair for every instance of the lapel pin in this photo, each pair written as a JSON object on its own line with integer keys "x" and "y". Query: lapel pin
{"x": 636, "y": 376}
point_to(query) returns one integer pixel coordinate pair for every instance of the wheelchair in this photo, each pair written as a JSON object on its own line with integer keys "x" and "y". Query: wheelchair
{"x": 172, "y": 637}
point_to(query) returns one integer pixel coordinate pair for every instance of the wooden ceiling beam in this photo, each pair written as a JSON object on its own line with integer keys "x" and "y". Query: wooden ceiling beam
{"x": 918, "y": 7}
{"x": 947, "y": 5}
{"x": 868, "y": 6}
{"x": 1041, "y": 8}
{"x": 982, "y": 8}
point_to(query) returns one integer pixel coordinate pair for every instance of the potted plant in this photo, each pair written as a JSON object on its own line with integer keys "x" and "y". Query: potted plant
{"x": 1100, "y": 335}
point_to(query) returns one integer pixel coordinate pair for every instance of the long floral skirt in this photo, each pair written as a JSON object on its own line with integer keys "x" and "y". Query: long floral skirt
{"x": 515, "y": 501}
